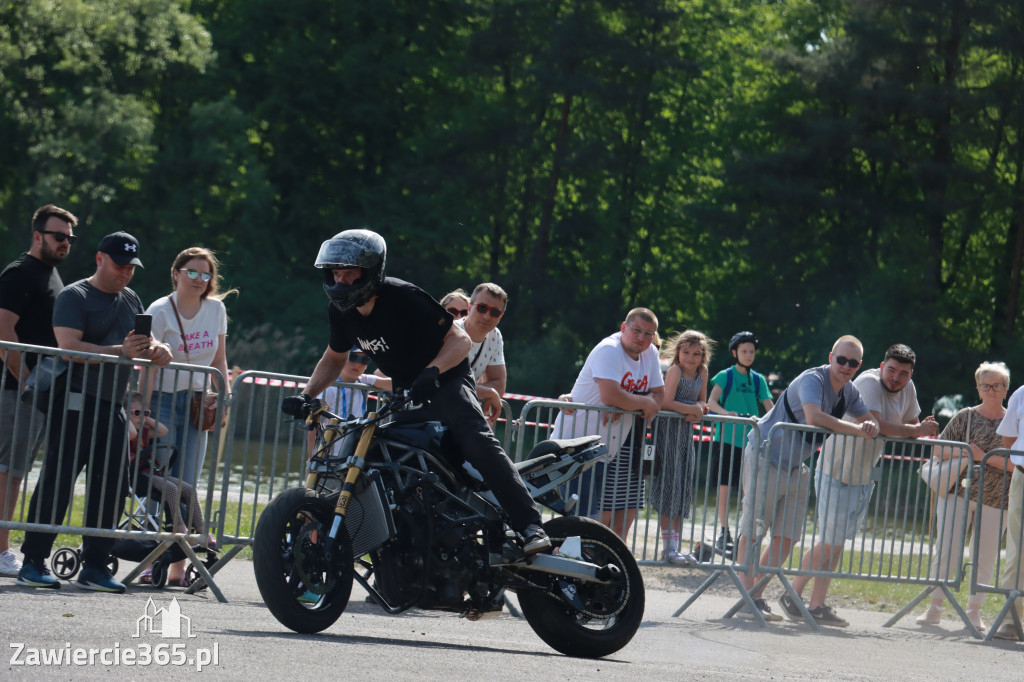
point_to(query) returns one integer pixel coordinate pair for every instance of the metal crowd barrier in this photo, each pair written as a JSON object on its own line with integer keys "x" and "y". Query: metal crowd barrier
{"x": 892, "y": 544}
{"x": 1007, "y": 576}
{"x": 652, "y": 455}
{"x": 72, "y": 438}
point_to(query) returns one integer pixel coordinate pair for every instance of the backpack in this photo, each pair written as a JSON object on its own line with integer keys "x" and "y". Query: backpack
{"x": 728, "y": 386}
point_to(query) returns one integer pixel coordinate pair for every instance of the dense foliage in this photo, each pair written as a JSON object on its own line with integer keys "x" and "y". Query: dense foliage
{"x": 801, "y": 169}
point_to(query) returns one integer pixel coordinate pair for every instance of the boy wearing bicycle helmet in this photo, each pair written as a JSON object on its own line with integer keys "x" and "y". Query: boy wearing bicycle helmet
{"x": 735, "y": 392}
{"x": 413, "y": 340}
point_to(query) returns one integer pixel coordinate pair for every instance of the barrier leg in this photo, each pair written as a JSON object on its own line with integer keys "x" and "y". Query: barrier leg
{"x": 798, "y": 600}
{"x": 908, "y": 608}
{"x": 703, "y": 587}
{"x": 205, "y": 577}
{"x": 748, "y": 601}
{"x": 1008, "y": 606}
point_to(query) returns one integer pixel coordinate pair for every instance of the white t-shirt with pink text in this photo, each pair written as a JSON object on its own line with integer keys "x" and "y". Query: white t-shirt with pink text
{"x": 202, "y": 333}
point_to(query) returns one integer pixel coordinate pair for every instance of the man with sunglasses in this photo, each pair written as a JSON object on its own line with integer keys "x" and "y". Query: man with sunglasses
{"x": 777, "y": 499}
{"x": 28, "y": 287}
{"x": 88, "y": 424}
{"x": 487, "y": 354}
{"x": 414, "y": 341}
{"x": 843, "y": 485}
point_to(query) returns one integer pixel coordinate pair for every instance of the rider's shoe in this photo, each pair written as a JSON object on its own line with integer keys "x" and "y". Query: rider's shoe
{"x": 536, "y": 540}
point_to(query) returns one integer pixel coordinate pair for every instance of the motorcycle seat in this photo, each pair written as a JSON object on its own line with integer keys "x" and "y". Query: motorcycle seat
{"x": 566, "y": 445}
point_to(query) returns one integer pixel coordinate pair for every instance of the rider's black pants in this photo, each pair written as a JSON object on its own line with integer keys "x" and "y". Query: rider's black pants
{"x": 457, "y": 407}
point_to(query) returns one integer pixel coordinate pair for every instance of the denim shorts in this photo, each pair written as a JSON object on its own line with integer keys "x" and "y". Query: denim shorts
{"x": 841, "y": 508}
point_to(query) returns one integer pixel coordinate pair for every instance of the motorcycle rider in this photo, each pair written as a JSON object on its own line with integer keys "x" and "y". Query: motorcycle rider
{"x": 411, "y": 338}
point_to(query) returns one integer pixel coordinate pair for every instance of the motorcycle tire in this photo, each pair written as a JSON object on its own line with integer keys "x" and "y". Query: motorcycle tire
{"x": 612, "y": 611}
{"x": 298, "y": 516}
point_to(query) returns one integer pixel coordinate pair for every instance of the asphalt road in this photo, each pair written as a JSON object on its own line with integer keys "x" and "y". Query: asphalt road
{"x": 241, "y": 640}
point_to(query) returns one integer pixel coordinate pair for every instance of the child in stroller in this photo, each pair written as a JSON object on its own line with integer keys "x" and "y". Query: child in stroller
{"x": 147, "y": 475}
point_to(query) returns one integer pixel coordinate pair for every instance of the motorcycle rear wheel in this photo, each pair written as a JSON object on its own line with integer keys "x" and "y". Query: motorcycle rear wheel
{"x": 612, "y": 611}
{"x": 300, "y": 589}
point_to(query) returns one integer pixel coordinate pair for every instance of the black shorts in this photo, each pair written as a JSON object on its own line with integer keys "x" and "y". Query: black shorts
{"x": 729, "y": 465}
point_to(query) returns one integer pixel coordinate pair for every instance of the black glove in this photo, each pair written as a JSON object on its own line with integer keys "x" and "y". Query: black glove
{"x": 425, "y": 385}
{"x": 298, "y": 406}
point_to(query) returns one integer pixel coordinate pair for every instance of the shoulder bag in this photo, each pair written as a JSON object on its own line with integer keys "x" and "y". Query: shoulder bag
{"x": 941, "y": 475}
{"x": 202, "y": 409}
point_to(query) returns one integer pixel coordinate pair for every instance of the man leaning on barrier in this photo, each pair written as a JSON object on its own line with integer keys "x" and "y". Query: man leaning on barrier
{"x": 777, "y": 500}
{"x": 843, "y": 485}
{"x": 93, "y": 315}
{"x": 28, "y": 287}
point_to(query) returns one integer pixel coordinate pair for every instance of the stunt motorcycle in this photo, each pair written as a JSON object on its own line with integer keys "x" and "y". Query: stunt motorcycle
{"x": 385, "y": 505}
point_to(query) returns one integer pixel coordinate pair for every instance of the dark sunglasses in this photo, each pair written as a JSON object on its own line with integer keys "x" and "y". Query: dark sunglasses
{"x": 457, "y": 313}
{"x": 849, "y": 362}
{"x": 140, "y": 413}
{"x": 484, "y": 309}
{"x": 361, "y": 359}
{"x": 60, "y": 236}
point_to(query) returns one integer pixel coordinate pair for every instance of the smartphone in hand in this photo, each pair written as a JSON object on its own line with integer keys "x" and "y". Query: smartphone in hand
{"x": 143, "y": 324}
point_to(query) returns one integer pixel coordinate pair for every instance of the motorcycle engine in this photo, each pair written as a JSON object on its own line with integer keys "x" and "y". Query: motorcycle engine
{"x": 437, "y": 555}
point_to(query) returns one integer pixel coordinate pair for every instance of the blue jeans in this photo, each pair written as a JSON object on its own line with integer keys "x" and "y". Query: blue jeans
{"x": 171, "y": 410}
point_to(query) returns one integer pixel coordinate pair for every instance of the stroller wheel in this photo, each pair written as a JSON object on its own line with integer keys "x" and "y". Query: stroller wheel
{"x": 65, "y": 563}
{"x": 113, "y": 565}
{"x": 159, "y": 573}
{"x": 192, "y": 575}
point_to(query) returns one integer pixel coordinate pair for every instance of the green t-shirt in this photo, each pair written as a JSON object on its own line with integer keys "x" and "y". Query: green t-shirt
{"x": 745, "y": 394}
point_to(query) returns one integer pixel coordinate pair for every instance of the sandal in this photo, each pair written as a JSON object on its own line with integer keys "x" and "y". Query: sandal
{"x": 146, "y": 577}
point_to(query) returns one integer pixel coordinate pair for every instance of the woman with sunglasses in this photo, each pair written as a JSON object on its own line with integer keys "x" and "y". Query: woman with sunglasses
{"x": 456, "y": 303}
{"x": 193, "y": 322}
{"x": 976, "y": 426}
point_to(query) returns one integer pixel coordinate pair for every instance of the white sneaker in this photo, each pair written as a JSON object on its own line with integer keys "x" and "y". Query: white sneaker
{"x": 974, "y": 615}
{"x": 10, "y": 564}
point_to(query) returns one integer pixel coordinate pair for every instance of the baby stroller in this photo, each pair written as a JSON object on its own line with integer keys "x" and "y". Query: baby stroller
{"x": 141, "y": 513}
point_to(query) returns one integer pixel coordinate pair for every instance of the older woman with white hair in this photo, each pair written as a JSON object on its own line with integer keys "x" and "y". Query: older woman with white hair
{"x": 976, "y": 426}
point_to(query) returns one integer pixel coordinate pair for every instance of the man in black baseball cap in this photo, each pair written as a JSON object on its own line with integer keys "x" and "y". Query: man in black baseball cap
{"x": 122, "y": 247}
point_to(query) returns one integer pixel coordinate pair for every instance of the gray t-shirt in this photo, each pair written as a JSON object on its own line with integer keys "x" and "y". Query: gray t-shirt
{"x": 811, "y": 386}
{"x": 104, "y": 319}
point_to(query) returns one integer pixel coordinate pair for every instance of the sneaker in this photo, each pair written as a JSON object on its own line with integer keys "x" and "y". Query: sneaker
{"x": 1007, "y": 631}
{"x": 536, "y": 540}
{"x": 765, "y": 610}
{"x": 98, "y": 580}
{"x": 825, "y": 615}
{"x": 680, "y": 558}
{"x": 308, "y": 597}
{"x": 790, "y": 608}
{"x": 933, "y": 616}
{"x": 35, "y": 574}
{"x": 724, "y": 544}
{"x": 10, "y": 564}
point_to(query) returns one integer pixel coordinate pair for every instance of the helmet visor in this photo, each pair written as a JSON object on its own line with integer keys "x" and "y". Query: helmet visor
{"x": 342, "y": 253}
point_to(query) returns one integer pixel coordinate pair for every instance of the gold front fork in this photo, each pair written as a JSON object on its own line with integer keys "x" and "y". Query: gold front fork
{"x": 355, "y": 467}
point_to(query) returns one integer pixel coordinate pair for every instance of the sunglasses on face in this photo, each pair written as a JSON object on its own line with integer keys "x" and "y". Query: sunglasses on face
{"x": 852, "y": 363}
{"x": 361, "y": 359}
{"x": 140, "y": 413}
{"x": 485, "y": 309}
{"x": 192, "y": 274}
{"x": 60, "y": 236}
{"x": 458, "y": 312}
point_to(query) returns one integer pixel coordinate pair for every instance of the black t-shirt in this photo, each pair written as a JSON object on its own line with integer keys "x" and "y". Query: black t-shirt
{"x": 28, "y": 288}
{"x": 403, "y": 332}
{"x": 104, "y": 319}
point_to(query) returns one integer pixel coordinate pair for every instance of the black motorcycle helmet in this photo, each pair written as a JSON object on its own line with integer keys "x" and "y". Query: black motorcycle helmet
{"x": 742, "y": 337}
{"x": 353, "y": 249}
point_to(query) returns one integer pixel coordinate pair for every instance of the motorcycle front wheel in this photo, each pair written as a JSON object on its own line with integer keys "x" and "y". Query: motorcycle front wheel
{"x": 306, "y": 591}
{"x": 608, "y": 614}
